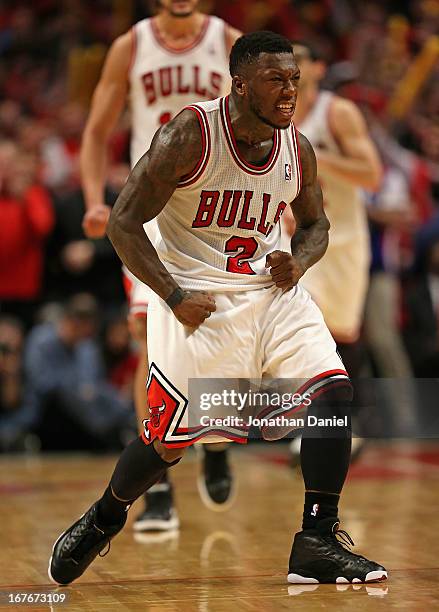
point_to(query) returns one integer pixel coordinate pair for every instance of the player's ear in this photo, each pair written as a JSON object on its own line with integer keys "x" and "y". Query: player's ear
{"x": 239, "y": 85}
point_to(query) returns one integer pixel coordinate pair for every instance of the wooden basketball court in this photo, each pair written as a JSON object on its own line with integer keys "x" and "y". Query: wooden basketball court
{"x": 235, "y": 560}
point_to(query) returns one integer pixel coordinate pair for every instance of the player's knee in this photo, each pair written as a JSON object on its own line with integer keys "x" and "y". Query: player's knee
{"x": 330, "y": 414}
{"x": 168, "y": 454}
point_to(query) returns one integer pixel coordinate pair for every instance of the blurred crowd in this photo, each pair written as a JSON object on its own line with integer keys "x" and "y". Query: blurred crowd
{"x": 66, "y": 361}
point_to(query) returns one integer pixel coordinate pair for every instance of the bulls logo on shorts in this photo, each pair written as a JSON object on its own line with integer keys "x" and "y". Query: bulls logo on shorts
{"x": 156, "y": 412}
{"x": 165, "y": 406}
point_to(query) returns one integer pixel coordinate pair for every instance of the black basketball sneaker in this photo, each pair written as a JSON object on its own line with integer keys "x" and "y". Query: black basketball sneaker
{"x": 215, "y": 481}
{"x": 322, "y": 555}
{"x": 76, "y": 548}
{"x": 160, "y": 513}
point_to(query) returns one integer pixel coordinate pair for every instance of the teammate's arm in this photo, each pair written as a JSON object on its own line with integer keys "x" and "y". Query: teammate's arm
{"x": 359, "y": 162}
{"x": 310, "y": 240}
{"x": 175, "y": 151}
{"x": 107, "y": 104}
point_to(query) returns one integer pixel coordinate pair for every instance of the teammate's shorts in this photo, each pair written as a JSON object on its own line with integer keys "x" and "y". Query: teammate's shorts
{"x": 138, "y": 294}
{"x": 338, "y": 284}
{"x": 262, "y": 334}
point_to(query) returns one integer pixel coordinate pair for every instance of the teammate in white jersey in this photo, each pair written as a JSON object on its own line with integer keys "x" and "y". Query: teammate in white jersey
{"x": 217, "y": 179}
{"x": 347, "y": 163}
{"x": 158, "y": 67}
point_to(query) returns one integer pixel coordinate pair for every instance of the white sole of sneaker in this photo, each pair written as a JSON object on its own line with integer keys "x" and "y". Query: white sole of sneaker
{"x": 157, "y": 525}
{"x": 51, "y": 578}
{"x": 157, "y": 537}
{"x": 375, "y": 576}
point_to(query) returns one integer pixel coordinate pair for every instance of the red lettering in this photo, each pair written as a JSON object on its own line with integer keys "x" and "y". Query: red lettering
{"x": 245, "y": 223}
{"x": 181, "y": 89}
{"x": 280, "y": 209}
{"x": 148, "y": 84}
{"x": 223, "y": 219}
{"x": 245, "y": 248}
{"x": 200, "y": 91}
{"x": 165, "y": 81}
{"x": 164, "y": 118}
{"x": 215, "y": 83}
{"x": 264, "y": 227}
{"x": 206, "y": 208}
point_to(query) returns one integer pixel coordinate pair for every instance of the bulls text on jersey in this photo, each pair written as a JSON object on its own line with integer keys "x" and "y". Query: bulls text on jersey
{"x": 179, "y": 80}
{"x": 235, "y": 205}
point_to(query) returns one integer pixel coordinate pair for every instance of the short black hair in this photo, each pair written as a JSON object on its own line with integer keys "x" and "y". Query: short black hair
{"x": 247, "y": 48}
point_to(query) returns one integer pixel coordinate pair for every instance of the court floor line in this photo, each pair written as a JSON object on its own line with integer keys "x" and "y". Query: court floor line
{"x": 190, "y": 578}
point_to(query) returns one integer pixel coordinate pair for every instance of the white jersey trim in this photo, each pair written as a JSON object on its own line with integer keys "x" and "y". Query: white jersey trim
{"x": 233, "y": 148}
{"x": 297, "y": 160}
{"x": 196, "y": 173}
{"x": 161, "y": 43}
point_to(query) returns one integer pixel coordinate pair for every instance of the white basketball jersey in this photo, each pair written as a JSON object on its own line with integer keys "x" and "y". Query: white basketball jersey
{"x": 338, "y": 282}
{"x": 223, "y": 219}
{"x": 343, "y": 201}
{"x": 164, "y": 80}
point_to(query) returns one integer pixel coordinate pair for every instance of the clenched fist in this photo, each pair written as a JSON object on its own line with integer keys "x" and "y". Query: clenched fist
{"x": 285, "y": 269}
{"x": 95, "y": 221}
{"x": 195, "y": 308}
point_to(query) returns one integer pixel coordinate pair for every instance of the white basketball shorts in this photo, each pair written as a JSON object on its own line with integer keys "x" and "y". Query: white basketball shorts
{"x": 262, "y": 334}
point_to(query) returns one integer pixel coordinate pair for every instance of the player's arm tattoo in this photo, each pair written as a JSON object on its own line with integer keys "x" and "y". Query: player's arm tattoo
{"x": 175, "y": 151}
{"x": 310, "y": 239}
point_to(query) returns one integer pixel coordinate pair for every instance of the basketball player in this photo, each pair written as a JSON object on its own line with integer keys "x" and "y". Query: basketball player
{"x": 347, "y": 162}
{"x": 160, "y": 65}
{"x": 227, "y": 303}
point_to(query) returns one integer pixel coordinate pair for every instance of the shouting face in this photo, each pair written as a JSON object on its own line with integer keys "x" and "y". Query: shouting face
{"x": 269, "y": 87}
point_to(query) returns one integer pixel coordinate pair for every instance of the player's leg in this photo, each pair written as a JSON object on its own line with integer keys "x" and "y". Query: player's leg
{"x": 308, "y": 353}
{"x": 215, "y": 480}
{"x": 139, "y": 467}
{"x": 159, "y": 513}
{"x": 354, "y": 357}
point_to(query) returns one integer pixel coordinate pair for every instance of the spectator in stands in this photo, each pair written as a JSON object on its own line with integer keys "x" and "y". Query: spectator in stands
{"x": 421, "y": 330}
{"x": 120, "y": 355}
{"x": 66, "y": 382}
{"x": 26, "y": 219}
{"x": 16, "y": 417}
{"x": 75, "y": 263}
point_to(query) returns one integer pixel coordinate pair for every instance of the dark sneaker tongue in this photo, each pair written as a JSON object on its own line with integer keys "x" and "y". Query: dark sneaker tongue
{"x": 328, "y": 526}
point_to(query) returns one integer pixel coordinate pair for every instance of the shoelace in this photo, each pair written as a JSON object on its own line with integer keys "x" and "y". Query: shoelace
{"x": 345, "y": 539}
{"x": 108, "y": 543}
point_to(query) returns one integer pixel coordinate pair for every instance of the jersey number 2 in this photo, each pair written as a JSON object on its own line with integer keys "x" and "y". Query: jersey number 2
{"x": 244, "y": 248}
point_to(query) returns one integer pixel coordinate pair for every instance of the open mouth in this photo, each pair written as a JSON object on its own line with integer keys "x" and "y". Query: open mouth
{"x": 286, "y": 109}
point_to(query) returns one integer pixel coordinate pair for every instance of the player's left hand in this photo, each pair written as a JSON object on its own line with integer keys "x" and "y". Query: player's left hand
{"x": 285, "y": 269}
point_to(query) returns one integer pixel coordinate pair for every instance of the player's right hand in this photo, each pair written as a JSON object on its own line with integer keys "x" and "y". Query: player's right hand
{"x": 95, "y": 221}
{"x": 195, "y": 308}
